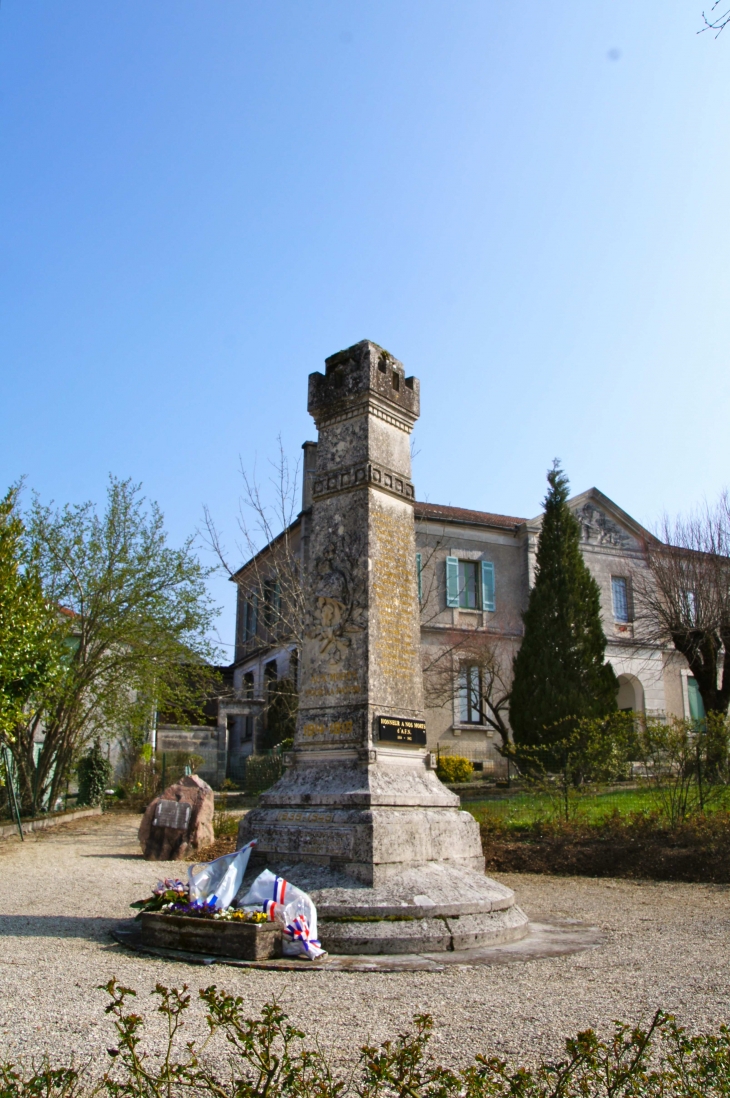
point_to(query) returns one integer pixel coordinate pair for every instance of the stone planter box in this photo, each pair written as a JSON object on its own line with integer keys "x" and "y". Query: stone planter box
{"x": 244, "y": 941}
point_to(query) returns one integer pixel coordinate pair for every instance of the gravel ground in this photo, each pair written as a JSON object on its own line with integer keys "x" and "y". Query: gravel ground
{"x": 666, "y": 945}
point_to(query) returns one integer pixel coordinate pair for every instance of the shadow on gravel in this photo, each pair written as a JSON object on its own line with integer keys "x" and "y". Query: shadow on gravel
{"x": 56, "y": 926}
{"x": 116, "y": 857}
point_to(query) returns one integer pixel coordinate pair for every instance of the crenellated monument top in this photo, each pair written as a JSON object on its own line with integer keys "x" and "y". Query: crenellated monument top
{"x": 359, "y": 375}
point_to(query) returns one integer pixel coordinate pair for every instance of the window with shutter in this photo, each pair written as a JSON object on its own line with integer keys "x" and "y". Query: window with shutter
{"x": 488, "y": 602}
{"x": 696, "y": 705}
{"x": 691, "y": 607}
{"x": 249, "y": 618}
{"x": 452, "y": 581}
{"x": 419, "y": 562}
{"x": 470, "y": 694}
{"x": 270, "y": 586}
{"x": 620, "y": 598}
{"x": 469, "y": 584}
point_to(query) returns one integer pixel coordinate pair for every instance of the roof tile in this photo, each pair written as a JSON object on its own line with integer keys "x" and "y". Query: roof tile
{"x": 438, "y": 513}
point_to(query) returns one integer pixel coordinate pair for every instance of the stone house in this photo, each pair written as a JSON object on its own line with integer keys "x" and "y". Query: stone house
{"x": 474, "y": 573}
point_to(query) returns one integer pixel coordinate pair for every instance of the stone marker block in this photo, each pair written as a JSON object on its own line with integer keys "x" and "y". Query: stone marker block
{"x": 178, "y": 821}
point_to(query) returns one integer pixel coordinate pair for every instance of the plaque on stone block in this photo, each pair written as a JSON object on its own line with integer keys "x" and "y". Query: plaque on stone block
{"x": 402, "y": 730}
{"x": 174, "y": 814}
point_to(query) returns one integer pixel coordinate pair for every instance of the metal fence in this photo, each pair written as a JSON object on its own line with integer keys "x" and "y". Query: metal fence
{"x": 255, "y": 773}
{"x": 482, "y": 760}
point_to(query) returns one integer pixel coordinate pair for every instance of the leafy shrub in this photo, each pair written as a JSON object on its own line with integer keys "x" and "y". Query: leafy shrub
{"x": 94, "y": 774}
{"x": 225, "y": 825}
{"x": 454, "y": 768}
{"x": 267, "y": 1059}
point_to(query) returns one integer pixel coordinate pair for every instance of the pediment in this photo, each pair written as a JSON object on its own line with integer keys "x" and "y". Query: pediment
{"x": 604, "y": 523}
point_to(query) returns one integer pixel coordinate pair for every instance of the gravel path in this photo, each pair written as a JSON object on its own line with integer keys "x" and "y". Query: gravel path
{"x": 667, "y": 945}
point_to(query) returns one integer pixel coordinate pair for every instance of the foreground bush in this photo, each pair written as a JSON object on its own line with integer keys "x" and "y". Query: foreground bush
{"x": 454, "y": 768}
{"x": 267, "y": 1059}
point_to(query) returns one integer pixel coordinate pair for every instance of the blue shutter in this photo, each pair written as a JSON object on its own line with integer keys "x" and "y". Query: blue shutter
{"x": 419, "y": 561}
{"x": 487, "y": 585}
{"x": 244, "y": 631}
{"x": 452, "y": 581}
{"x": 254, "y": 615}
{"x": 696, "y": 705}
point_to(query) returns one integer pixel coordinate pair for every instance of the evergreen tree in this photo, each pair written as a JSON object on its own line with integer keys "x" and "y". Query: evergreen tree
{"x": 94, "y": 773}
{"x": 560, "y": 675}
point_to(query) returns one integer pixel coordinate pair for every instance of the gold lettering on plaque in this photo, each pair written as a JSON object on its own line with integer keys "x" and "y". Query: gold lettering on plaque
{"x": 313, "y": 730}
{"x": 329, "y": 684}
{"x": 394, "y": 591}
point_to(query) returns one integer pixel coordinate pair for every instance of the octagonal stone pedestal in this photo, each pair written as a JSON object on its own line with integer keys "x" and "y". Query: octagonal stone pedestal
{"x": 431, "y": 908}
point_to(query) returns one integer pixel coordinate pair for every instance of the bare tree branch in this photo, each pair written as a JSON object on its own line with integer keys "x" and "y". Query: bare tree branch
{"x": 715, "y": 22}
{"x": 683, "y": 599}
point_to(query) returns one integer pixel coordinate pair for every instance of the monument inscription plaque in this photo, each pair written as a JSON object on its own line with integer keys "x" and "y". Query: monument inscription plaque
{"x": 402, "y": 730}
{"x": 175, "y": 814}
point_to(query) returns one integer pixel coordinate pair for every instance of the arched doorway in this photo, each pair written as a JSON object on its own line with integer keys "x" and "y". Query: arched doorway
{"x": 630, "y": 693}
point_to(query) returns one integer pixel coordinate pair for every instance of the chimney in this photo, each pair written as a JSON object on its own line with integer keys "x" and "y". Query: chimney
{"x": 309, "y": 468}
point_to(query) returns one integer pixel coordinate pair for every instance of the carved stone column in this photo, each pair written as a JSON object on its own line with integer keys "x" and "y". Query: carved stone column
{"x": 359, "y": 798}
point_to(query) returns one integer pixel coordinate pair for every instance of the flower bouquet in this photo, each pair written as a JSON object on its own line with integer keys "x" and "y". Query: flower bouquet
{"x": 172, "y": 897}
{"x": 169, "y": 891}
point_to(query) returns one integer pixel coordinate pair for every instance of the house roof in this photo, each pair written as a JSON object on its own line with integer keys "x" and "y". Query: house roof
{"x": 262, "y": 552}
{"x": 437, "y": 512}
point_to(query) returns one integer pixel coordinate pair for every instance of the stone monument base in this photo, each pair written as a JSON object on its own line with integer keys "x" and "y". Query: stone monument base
{"x": 432, "y": 908}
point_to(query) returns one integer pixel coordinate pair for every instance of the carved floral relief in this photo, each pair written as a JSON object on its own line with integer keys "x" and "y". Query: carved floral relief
{"x": 337, "y": 610}
{"x": 599, "y": 528}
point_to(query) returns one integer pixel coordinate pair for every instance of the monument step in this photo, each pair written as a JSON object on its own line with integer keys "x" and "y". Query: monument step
{"x": 438, "y": 935}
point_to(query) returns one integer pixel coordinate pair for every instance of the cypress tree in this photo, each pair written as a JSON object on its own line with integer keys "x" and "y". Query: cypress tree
{"x": 560, "y": 675}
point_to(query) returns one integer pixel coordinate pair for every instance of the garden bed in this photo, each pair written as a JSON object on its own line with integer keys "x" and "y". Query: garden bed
{"x": 51, "y": 819}
{"x": 695, "y": 851}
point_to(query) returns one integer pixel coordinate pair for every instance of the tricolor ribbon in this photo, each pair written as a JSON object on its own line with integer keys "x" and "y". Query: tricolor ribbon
{"x": 298, "y": 931}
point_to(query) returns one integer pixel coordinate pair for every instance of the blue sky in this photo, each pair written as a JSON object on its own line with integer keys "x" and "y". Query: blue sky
{"x": 526, "y": 203}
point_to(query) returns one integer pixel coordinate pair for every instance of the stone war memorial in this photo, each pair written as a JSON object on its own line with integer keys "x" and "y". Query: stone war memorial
{"x": 359, "y": 818}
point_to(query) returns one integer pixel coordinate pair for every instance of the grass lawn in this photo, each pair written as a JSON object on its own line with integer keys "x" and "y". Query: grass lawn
{"x": 524, "y": 810}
